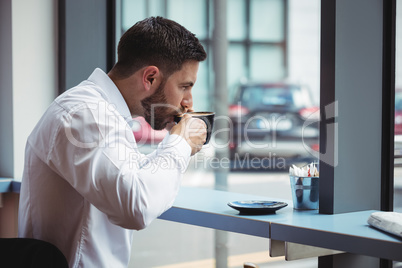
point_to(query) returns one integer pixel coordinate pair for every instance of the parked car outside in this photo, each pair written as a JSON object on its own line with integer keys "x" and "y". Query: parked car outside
{"x": 269, "y": 122}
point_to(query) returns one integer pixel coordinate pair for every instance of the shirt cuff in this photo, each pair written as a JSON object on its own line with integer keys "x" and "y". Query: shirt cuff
{"x": 175, "y": 143}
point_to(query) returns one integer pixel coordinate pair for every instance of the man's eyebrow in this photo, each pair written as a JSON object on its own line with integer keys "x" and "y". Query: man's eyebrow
{"x": 187, "y": 84}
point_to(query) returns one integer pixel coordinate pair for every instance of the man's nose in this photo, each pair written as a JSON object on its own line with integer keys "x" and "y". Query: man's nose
{"x": 187, "y": 101}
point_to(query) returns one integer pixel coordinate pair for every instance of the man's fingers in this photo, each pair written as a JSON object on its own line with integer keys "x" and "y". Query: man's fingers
{"x": 193, "y": 130}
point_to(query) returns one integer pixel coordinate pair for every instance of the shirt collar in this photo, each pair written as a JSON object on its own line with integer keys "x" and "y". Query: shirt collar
{"x": 110, "y": 92}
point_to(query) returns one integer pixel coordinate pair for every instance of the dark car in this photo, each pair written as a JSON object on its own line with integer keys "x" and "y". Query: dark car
{"x": 274, "y": 121}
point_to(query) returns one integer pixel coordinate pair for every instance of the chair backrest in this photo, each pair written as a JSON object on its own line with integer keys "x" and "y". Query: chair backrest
{"x": 30, "y": 253}
{"x": 250, "y": 265}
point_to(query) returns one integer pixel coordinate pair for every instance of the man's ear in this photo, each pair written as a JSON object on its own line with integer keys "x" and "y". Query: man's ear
{"x": 150, "y": 75}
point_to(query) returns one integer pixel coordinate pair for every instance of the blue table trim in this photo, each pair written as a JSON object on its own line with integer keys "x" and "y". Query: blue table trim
{"x": 16, "y": 186}
{"x": 345, "y": 232}
{"x": 219, "y": 222}
{"x": 208, "y": 208}
{"x": 8, "y": 185}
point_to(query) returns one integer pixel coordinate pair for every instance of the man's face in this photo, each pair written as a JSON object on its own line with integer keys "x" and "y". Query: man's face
{"x": 173, "y": 96}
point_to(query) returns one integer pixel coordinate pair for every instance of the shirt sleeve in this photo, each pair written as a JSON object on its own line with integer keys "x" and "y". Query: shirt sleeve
{"x": 95, "y": 151}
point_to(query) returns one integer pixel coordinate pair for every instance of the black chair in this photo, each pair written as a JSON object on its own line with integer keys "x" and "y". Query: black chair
{"x": 30, "y": 253}
{"x": 250, "y": 265}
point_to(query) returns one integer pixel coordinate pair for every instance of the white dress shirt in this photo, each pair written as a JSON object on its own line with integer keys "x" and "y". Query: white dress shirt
{"x": 85, "y": 185}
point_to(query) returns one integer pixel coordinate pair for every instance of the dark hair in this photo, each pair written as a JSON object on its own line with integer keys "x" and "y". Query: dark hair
{"x": 160, "y": 42}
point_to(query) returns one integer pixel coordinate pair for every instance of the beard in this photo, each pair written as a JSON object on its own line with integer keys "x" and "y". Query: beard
{"x": 157, "y": 111}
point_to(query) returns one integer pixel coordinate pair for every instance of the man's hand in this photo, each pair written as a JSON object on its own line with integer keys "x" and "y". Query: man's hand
{"x": 193, "y": 130}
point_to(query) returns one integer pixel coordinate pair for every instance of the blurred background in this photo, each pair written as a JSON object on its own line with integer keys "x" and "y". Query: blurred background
{"x": 267, "y": 40}
{"x": 272, "y": 81}
{"x": 262, "y": 74}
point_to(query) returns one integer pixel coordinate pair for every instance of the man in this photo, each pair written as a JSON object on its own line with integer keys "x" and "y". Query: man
{"x": 85, "y": 185}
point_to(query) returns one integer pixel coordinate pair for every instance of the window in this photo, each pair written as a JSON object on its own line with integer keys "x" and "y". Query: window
{"x": 398, "y": 111}
{"x": 256, "y": 34}
{"x": 268, "y": 41}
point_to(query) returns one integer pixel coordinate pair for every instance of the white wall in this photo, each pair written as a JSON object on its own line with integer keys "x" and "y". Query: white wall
{"x": 6, "y": 111}
{"x": 34, "y": 68}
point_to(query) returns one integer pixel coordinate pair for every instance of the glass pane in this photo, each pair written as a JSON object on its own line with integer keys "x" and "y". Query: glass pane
{"x": 201, "y": 91}
{"x": 236, "y": 67}
{"x": 266, "y": 20}
{"x": 156, "y": 8}
{"x": 398, "y": 110}
{"x": 304, "y": 45}
{"x": 236, "y": 20}
{"x": 398, "y": 49}
{"x": 191, "y": 14}
{"x": 266, "y": 63}
{"x": 256, "y": 97}
{"x": 132, "y": 11}
{"x": 262, "y": 59}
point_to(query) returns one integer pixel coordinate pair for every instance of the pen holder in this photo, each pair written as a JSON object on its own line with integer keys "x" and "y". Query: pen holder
{"x": 305, "y": 192}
